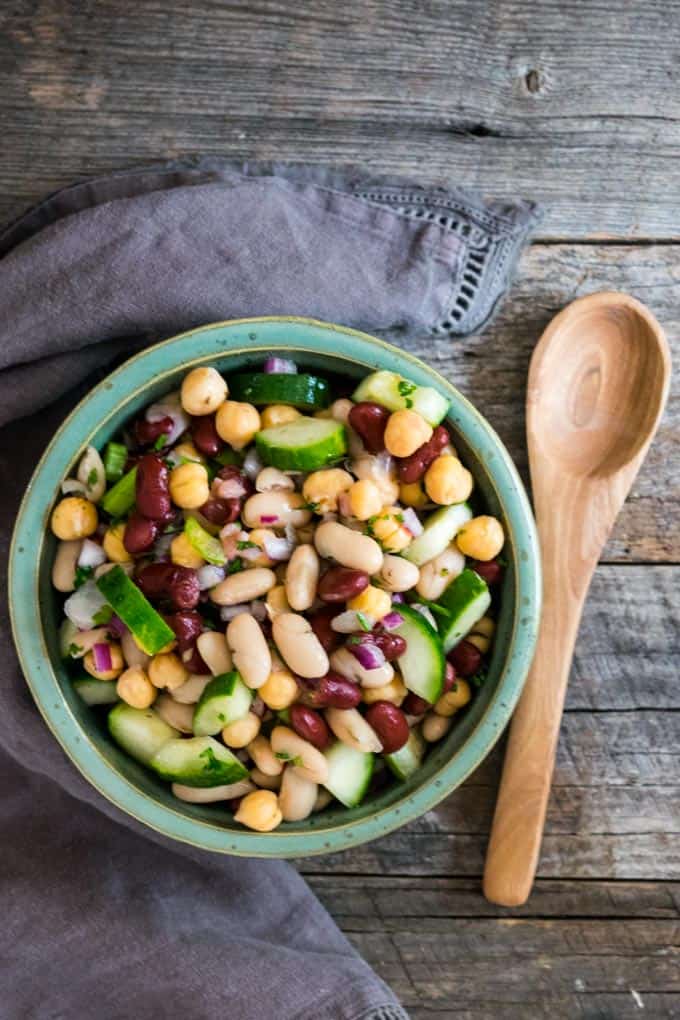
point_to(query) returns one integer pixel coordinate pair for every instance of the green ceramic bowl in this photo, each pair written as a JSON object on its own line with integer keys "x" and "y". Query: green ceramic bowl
{"x": 36, "y": 616}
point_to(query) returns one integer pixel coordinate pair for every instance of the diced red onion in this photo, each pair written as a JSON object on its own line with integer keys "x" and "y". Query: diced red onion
{"x": 391, "y": 621}
{"x": 91, "y": 554}
{"x": 412, "y": 522}
{"x": 252, "y": 553}
{"x": 349, "y": 622}
{"x": 161, "y": 547}
{"x": 71, "y": 485}
{"x": 258, "y": 611}
{"x": 228, "y": 613}
{"x": 368, "y": 655}
{"x": 277, "y": 548}
{"x": 384, "y": 463}
{"x": 252, "y": 465}
{"x": 281, "y": 366}
{"x": 170, "y": 407}
{"x": 397, "y": 596}
{"x": 101, "y": 654}
{"x": 116, "y": 626}
{"x": 424, "y": 611}
{"x": 82, "y": 607}
{"x": 228, "y": 488}
{"x": 210, "y": 575}
{"x": 268, "y": 518}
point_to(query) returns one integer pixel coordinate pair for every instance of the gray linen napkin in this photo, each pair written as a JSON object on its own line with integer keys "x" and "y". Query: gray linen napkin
{"x": 101, "y": 916}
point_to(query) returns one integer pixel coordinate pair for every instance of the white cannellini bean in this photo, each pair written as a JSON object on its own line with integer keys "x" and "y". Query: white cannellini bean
{"x": 323, "y": 799}
{"x": 174, "y": 713}
{"x": 64, "y": 566}
{"x": 213, "y": 649}
{"x": 297, "y": 796}
{"x": 398, "y": 574}
{"x": 264, "y": 781}
{"x": 190, "y": 691}
{"x": 302, "y": 577}
{"x": 299, "y": 646}
{"x": 92, "y": 475}
{"x": 305, "y": 759}
{"x": 437, "y": 574}
{"x": 335, "y": 541}
{"x": 243, "y": 587}
{"x": 347, "y": 665}
{"x": 272, "y": 478}
{"x": 435, "y": 727}
{"x": 275, "y": 508}
{"x": 211, "y": 794}
{"x": 132, "y": 653}
{"x": 249, "y": 650}
{"x": 260, "y": 750}
{"x": 351, "y": 728}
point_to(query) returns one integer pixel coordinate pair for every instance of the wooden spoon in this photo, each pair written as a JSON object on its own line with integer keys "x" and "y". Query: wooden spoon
{"x": 598, "y": 383}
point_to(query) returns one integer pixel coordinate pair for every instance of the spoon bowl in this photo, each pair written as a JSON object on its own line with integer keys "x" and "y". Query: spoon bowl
{"x": 598, "y": 383}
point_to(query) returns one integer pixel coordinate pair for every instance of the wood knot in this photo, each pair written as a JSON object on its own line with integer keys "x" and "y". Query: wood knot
{"x": 533, "y": 81}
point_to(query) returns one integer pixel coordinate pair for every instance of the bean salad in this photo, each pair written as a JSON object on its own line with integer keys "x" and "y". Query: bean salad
{"x": 279, "y": 596}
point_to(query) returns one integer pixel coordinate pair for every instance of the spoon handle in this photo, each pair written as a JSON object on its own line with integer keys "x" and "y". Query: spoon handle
{"x": 512, "y": 855}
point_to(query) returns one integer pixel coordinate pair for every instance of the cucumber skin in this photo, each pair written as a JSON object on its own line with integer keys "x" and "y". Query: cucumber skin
{"x": 96, "y": 692}
{"x": 467, "y": 588}
{"x": 340, "y": 750}
{"x": 382, "y": 387}
{"x": 124, "y": 718}
{"x": 127, "y": 600}
{"x": 217, "y": 769}
{"x": 407, "y": 760}
{"x": 221, "y": 686}
{"x": 306, "y": 392}
{"x": 431, "y": 690}
{"x": 288, "y": 458}
{"x": 417, "y": 552}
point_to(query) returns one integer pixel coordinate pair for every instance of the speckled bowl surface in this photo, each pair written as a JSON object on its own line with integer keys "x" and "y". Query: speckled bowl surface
{"x": 35, "y": 607}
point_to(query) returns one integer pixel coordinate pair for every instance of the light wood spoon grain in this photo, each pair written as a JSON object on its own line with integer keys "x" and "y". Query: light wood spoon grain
{"x": 598, "y": 383}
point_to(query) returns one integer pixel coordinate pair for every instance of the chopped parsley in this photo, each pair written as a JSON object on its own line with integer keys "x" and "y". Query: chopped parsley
{"x": 363, "y": 622}
{"x": 160, "y": 441}
{"x": 83, "y": 574}
{"x": 102, "y": 616}
{"x": 314, "y": 507}
{"x": 405, "y": 389}
{"x": 284, "y": 756}
{"x": 92, "y": 478}
{"x": 479, "y": 679}
{"x": 246, "y": 545}
{"x": 444, "y": 572}
{"x": 74, "y": 651}
{"x": 235, "y": 566}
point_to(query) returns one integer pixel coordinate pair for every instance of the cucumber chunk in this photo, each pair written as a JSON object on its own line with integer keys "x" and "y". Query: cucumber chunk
{"x": 198, "y": 761}
{"x": 140, "y": 732}
{"x": 422, "y": 665}
{"x": 438, "y": 532}
{"x": 115, "y": 458}
{"x": 307, "y": 392}
{"x": 224, "y": 700}
{"x": 305, "y": 444}
{"x": 121, "y": 497}
{"x": 147, "y": 626}
{"x": 96, "y": 692}
{"x": 349, "y": 773}
{"x": 205, "y": 544}
{"x": 465, "y": 600}
{"x": 408, "y": 759}
{"x": 394, "y": 392}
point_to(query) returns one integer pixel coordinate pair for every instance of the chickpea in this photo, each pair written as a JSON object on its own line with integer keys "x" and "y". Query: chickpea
{"x": 435, "y": 727}
{"x": 117, "y": 664}
{"x": 395, "y": 692}
{"x": 203, "y": 390}
{"x": 388, "y": 529}
{"x": 375, "y": 469}
{"x": 406, "y": 431}
{"x": 482, "y": 538}
{"x": 167, "y": 670}
{"x": 186, "y": 451}
{"x": 364, "y": 499}
{"x": 135, "y": 688}
{"x": 260, "y": 811}
{"x": 278, "y": 414}
{"x": 280, "y": 690}
{"x": 413, "y": 494}
{"x": 74, "y": 517}
{"x": 456, "y": 698}
{"x": 322, "y": 488}
{"x": 237, "y": 423}
{"x": 113, "y": 544}
{"x": 373, "y": 601}
{"x": 480, "y": 641}
{"x": 447, "y": 481}
{"x": 189, "y": 486}
{"x": 183, "y": 553}
{"x": 242, "y": 732}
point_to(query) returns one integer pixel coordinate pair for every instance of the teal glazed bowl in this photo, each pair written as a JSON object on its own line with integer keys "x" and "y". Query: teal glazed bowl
{"x": 35, "y": 605}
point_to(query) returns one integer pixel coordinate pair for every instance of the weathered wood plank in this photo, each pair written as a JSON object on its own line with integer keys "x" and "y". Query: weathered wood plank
{"x": 474, "y": 92}
{"x": 430, "y": 904}
{"x": 587, "y": 1005}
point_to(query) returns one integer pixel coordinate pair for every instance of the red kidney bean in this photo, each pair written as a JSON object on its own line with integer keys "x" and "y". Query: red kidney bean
{"x": 193, "y": 661}
{"x": 221, "y": 511}
{"x": 187, "y": 626}
{"x": 391, "y": 645}
{"x": 449, "y": 678}
{"x": 390, "y": 723}
{"x": 335, "y": 691}
{"x": 370, "y": 421}
{"x": 320, "y": 621}
{"x": 153, "y": 488}
{"x": 311, "y": 726}
{"x": 465, "y": 658}
{"x": 491, "y": 571}
{"x": 178, "y": 585}
{"x": 204, "y": 435}
{"x": 413, "y": 704}
{"x": 339, "y": 584}
{"x": 411, "y": 469}
{"x": 233, "y": 471}
{"x": 140, "y": 533}
{"x": 146, "y": 432}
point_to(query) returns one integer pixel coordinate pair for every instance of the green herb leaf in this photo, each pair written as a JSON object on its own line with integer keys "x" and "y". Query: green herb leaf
{"x": 83, "y": 574}
{"x": 92, "y": 478}
{"x": 479, "y": 679}
{"x": 246, "y": 545}
{"x": 160, "y": 441}
{"x": 74, "y": 650}
{"x": 235, "y": 566}
{"x": 363, "y": 622}
{"x": 405, "y": 389}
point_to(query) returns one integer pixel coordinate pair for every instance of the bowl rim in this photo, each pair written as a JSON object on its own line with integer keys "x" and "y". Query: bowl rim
{"x": 39, "y": 673}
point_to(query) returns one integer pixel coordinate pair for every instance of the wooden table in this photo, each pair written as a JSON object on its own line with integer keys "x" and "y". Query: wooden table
{"x": 576, "y": 104}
